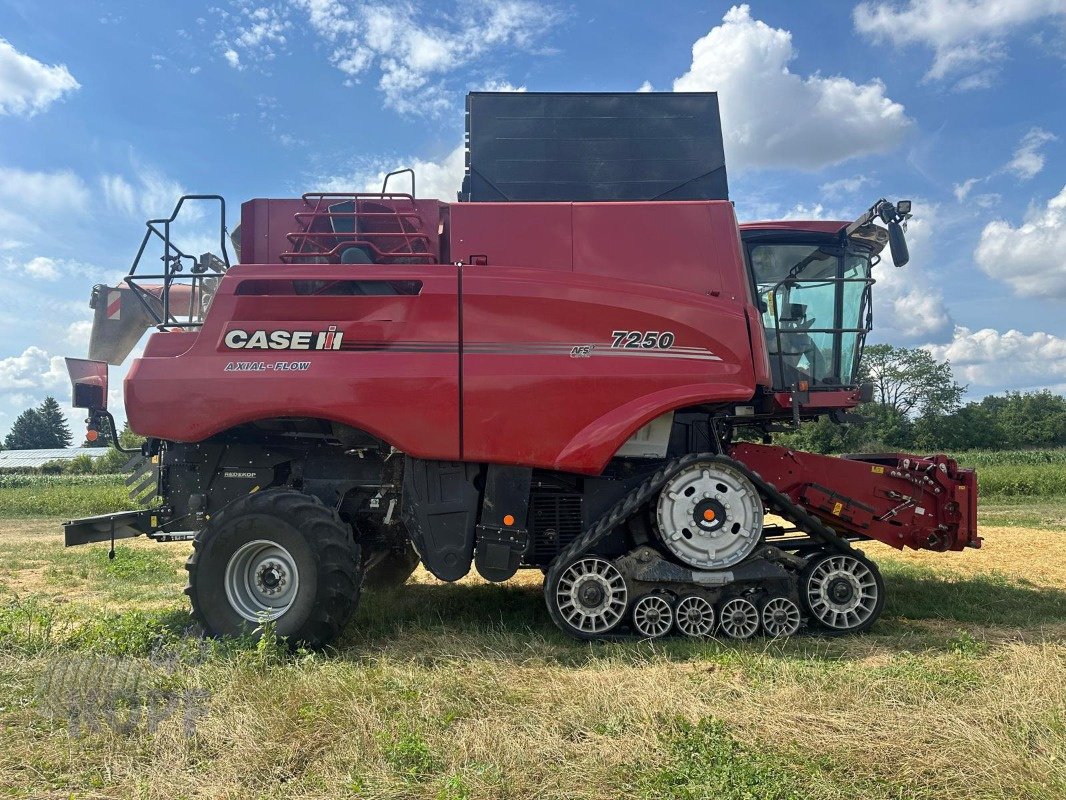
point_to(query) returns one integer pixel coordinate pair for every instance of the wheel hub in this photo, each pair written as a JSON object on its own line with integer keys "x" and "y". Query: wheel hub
{"x": 591, "y": 593}
{"x": 709, "y": 516}
{"x": 261, "y": 580}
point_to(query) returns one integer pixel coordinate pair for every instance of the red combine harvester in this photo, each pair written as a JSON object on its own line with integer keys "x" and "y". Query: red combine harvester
{"x": 550, "y": 374}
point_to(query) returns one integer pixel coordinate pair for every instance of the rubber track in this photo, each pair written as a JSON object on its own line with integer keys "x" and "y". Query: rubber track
{"x": 628, "y": 506}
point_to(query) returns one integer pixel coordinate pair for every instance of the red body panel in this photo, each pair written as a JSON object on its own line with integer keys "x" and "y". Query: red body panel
{"x": 544, "y": 382}
{"x": 904, "y": 501}
{"x": 396, "y": 391}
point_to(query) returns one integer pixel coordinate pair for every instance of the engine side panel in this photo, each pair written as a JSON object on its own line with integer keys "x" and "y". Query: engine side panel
{"x": 549, "y": 380}
{"x": 391, "y": 367}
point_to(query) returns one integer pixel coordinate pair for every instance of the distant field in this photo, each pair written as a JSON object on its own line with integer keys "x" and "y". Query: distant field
{"x": 1003, "y": 477}
{"x": 463, "y": 691}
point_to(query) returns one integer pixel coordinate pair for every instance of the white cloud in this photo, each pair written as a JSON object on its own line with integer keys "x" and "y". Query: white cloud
{"x": 78, "y": 334}
{"x": 28, "y": 199}
{"x": 413, "y": 58}
{"x": 435, "y": 179}
{"x": 907, "y": 303}
{"x": 499, "y": 86}
{"x": 989, "y": 358}
{"x": 232, "y": 58}
{"x": 1028, "y": 159}
{"x": 962, "y": 190}
{"x": 26, "y": 85}
{"x": 646, "y": 87}
{"x": 965, "y": 35}
{"x": 41, "y": 267}
{"x": 151, "y": 194}
{"x": 34, "y": 369}
{"x": 1031, "y": 257}
{"x": 845, "y": 185}
{"x": 773, "y": 117}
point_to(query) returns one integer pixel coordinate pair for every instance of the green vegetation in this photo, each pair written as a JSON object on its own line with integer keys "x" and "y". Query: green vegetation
{"x": 464, "y": 691}
{"x": 62, "y": 495}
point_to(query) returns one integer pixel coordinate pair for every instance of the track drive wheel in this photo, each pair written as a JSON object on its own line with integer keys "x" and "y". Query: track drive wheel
{"x": 588, "y": 597}
{"x": 275, "y": 556}
{"x": 842, "y": 592}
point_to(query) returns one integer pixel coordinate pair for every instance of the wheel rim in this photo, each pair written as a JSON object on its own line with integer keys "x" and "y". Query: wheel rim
{"x": 780, "y": 617}
{"x": 694, "y": 616}
{"x": 709, "y": 516}
{"x": 739, "y": 619}
{"x": 842, "y": 592}
{"x": 591, "y": 595}
{"x": 652, "y": 616}
{"x": 261, "y": 580}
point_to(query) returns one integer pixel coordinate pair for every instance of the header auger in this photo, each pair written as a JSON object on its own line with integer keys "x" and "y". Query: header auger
{"x": 553, "y": 373}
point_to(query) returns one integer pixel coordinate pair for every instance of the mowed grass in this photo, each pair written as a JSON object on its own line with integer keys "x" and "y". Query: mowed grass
{"x": 467, "y": 690}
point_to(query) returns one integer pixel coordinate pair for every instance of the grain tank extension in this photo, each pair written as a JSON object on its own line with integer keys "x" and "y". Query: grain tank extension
{"x": 566, "y": 370}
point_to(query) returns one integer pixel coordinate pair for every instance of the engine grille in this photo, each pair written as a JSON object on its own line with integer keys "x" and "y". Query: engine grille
{"x": 556, "y": 523}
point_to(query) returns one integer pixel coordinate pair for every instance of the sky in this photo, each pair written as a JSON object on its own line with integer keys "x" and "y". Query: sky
{"x": 110, "y": 110}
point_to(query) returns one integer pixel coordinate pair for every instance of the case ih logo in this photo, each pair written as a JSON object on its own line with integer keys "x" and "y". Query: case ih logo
{"x": 284, "y": 340}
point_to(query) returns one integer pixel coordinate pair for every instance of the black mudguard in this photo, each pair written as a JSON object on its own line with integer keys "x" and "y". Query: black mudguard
{"x": 440, "y": 505}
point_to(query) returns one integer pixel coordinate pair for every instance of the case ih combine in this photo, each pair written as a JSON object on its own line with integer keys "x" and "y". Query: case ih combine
{"x": 553, "y": 373}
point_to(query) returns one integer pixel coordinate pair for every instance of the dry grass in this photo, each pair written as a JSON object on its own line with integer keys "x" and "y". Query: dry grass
{"x": 466, "y": 691}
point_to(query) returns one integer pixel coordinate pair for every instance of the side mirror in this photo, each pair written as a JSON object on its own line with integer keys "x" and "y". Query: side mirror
{"x": 897, "y": 243}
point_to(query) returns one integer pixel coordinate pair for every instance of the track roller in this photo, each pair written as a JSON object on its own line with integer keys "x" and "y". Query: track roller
{"x": 653, "y": 616}
{"x": 842, "y": 592}
{"x": 694, "y": 616}
{"x": 780, "y": 617}
{"x": 589, "y": 598}
{"x": 739, "y": 619}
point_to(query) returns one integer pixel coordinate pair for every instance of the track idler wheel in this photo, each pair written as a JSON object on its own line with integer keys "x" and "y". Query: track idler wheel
{"x": 653, "y": 616}
{"x": 694, "y": 616}
{"x": 589, "y": 598}
{"x": 780, "y": 617}
{"x": 842, "y": 592}
{"x": 739, "y": 619}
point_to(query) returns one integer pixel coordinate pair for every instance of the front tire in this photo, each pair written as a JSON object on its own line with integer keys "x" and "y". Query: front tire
{"x": 276, "y": 556}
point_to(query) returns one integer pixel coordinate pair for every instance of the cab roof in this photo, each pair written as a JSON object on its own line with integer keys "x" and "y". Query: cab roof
{"x": 807, "y": 225}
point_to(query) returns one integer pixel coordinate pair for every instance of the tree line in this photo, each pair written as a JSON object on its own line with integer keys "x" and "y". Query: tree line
{"x": 917, "y": 406}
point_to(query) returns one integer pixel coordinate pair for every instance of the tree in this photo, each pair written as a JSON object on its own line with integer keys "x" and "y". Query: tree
{"x": 29, "y": 432}
{"x": 41, "y": 428}
{"x": 909, "y": 381}
{"x": 56, "y": 422}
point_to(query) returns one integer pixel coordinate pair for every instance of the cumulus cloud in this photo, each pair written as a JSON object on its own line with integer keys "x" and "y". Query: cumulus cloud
{"x": 33, "y": 369}
{"x": 27, "y": 86}
{"x": 773, "y": 117}
{"x": 907, "y": 303}
{"x": 411, "y": 57}
{"x": 1028, "y": 159}
{"x": 437, "y": 179}
{"x": 42, "y": 267}
{"x": 967, "y": 37}
{"x": 988, "y": 358}
{"x": 1030, "y": 257}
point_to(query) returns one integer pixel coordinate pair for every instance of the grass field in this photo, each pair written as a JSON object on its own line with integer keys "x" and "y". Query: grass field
{"x": 468, "y": 691}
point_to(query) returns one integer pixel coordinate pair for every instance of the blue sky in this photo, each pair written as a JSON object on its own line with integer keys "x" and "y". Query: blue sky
{"x": 109, "y": 110}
